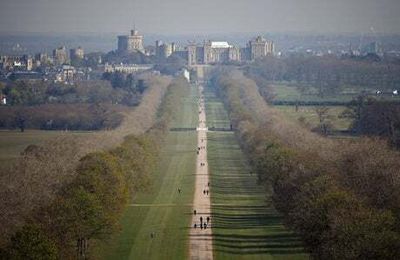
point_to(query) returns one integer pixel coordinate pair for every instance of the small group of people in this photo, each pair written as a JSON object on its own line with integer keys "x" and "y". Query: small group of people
{"x": 203, "y": 222}
{"x": 202, "y": 164}
{"x": 205, "y": 192}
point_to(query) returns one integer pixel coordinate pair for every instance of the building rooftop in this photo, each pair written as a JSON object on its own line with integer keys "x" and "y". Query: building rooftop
{"x": 220, "y": 45}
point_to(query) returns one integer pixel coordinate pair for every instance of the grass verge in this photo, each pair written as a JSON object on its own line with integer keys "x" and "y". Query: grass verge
{"x": 162, "y": 211}
{"x": 245, "y": 224}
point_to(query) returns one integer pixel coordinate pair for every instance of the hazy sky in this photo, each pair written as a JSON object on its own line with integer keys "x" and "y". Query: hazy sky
{"x": 200, "y": 16}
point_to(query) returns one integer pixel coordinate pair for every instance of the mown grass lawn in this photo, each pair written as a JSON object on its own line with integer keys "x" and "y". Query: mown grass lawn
{"x": 13, "y": 142}
{"x": 309, "y": 114}
{"x": 245, "y": 224}
{"x": 162, "y": 211}
{"x": 291, "y": 93}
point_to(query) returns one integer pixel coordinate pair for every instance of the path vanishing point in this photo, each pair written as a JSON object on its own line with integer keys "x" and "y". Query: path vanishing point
{"x": 200, "y": 237}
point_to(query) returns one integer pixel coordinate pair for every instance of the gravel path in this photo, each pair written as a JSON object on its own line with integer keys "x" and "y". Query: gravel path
{"x": 200, "y": 231}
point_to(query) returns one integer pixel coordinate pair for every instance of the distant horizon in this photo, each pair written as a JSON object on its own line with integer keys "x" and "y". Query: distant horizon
{"x": 291, "y": 33}
{"x": 194, "y": 17}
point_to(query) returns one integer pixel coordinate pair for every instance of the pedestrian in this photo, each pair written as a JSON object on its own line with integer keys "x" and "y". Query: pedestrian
{"x": 194, "y": 212}
{"x": 204, "y": 192}
{"x": 201, "y": 220}
{"x": 205, "y": 225}
{"x": 208, "y": 219}
{"x": 179, "y": 190}
{"x": 208, "y": 184}
{"x": 207, "y": 192}
{"x": 152, "y": 234}
{"x": 195, "y": 226}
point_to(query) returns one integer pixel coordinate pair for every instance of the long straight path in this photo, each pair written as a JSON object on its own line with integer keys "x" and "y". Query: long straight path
{"x": 200, "y": 235}
{"x": 155, "y": 225}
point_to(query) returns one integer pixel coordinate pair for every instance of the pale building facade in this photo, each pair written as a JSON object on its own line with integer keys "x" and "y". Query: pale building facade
{"x": 60, "y": 55}
{"x": 131, "y": 43}
{"x": 77, "y": 53}
{"x": 126, "y": 68}
{"x": 212, "y": 52}
{"x": 260, "y": 47}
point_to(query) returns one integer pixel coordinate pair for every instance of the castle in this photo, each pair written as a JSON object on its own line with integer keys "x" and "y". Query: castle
{"x": 222, "y": 52}
{"x": 130, "y": 43}
{"x": 210, "y": 52}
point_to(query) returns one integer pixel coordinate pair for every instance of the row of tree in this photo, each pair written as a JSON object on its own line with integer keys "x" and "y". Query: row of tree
{"x": 374, "y": 117}
{"x": 123, "y": 89}
{"x": 88, "y": 207}
{"x": 86, "y": 117}
{"x": 341, "y": 197}
{"x": 328, "y": 74}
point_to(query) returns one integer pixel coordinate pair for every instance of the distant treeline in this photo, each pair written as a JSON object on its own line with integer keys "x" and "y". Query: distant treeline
{"x": 116, "y": 88}
{"x": 341, "y": 197}
{"x": 328, "y": 74}
{"x": 88, "y": 208}
{"x": 88, "y": 105}
{"x": 85, "y": 117}
{"x": 375, "y": 118}
{"x": 371, "y": 115}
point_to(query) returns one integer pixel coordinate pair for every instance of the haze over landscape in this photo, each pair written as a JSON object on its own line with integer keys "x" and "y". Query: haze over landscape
{"x": 199, "y": 129}
{"x": 204, "y": 17}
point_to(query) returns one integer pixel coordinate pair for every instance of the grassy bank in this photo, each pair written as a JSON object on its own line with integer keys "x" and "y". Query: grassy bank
{"x": 162, "y": 210}
{"x": 12, "y": 143}
{"x": 245, "y": 224}
{"x": 308, "y": 116}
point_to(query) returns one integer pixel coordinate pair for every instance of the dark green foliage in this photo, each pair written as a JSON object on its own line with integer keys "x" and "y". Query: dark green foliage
{"x": 124, "y": 89}
{"x": 171, "y": 65}
{"x": 376, "y": 118}
{"x": 343, "y": 206}
{"x": 62, "y": 116}
{"x": 115, "y": 57}
{"x": 30, "y": 243}
{"x": 328, "y": 73}
{"x": 89, "y": 207}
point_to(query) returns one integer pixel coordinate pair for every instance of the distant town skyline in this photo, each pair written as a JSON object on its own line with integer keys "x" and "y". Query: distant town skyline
{"x": 200, "y": 17}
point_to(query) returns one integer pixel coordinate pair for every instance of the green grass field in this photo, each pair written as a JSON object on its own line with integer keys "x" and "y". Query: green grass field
{"x": 311, "y": 119}
{"x": 12, "y": 143}
{"x": 216, "y": 113}
{"x": 245, "y": 225}
{"x": 162, "y": 210}
{"x": 291, "y": 93}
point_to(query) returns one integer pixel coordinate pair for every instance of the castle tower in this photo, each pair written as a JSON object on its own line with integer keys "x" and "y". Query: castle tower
{"x": 131, "y": 43}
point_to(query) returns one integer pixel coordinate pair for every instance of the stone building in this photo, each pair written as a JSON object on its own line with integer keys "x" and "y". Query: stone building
{"x": 131, "y": 43}
{"x": 77, "y": 54}
{"x": 260, "y": 47}
{"x": 127, "y": 68}
{"x": 212, "y": 52}
{"x": 60, "y": 56}
{"x": 164, "y": 50}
